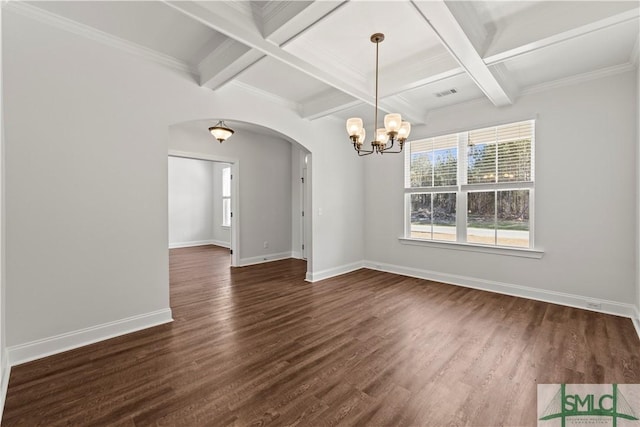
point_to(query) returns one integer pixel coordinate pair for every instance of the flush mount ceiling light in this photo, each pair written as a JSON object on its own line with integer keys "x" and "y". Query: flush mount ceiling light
{"x": 220, "y": 131}
{"x": 394, "y": 128}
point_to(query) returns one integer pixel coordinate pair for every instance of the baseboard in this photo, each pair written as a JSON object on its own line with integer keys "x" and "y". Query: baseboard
{"x": 221, "y": 243}
{"x": 570, "y": 300}
{"x": 332, "y": 272}
{"x": 296, "y": 255}
{"x": 264, "y": 258}
{"x": 5, "y": 371}
{"x": 33, "y": 350}
{"x": 196, "y": 243}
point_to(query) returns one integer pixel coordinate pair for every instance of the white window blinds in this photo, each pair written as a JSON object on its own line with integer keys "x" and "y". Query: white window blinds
{"x": 500, "y": 154}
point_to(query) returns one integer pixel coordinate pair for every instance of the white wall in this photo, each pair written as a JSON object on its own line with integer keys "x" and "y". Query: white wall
{"x": 86, "y": 165}
{"x": 638, "y": 186}
{"x": 584, "y": 196}
{"x": 191, "y": 196}
{"x": 264, "y": 164}
{"x": 4, "y": 371}
{"x": 221, "y": 234}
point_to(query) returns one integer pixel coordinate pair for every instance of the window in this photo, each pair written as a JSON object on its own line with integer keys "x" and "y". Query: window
{"x": 472, "y": 187}
{"x": 226, "y": 197}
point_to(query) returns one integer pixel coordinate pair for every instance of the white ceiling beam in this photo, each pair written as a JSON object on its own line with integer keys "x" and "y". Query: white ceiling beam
{"x": 226, "y": 62}
{"x": 227, "y": 21}
{"x": 285, "y": 27}
{"x": 453, "y": 37}
{"x": 285, "y": 22}
{"x": 470, "y": 18}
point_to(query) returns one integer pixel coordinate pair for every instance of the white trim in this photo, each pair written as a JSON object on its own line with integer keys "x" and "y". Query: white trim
{"x": 296, "y": 255}
{"x": 5, "y": 372}
{"x": 553, "y": 297}
{"x": 200, "y": 243}
{"x": 316, "y": 276}
{"x": 264, "y": 258}
{"x": 192, "y": 243}
{"x": 22, "y": 353}
{"x": 470, "y": 247}
{"x": 201, "y": 156}
{"x": 636, "y": 321}
{"x": 91, "y": 33}
{"x": 221, "y": 243}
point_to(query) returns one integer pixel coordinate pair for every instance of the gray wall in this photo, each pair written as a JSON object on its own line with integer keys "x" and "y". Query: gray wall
{"x": 584, "y": 196}
{"x": 191, "y": 198}
{"x": 264, "y": 177}
{"x": 87, "y": 138}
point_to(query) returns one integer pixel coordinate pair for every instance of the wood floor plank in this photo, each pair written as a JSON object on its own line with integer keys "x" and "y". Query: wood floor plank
{"x": 260, "y": 346}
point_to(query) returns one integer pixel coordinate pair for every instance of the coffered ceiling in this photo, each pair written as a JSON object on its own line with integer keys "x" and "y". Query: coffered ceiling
{"x": 316, "y": 56}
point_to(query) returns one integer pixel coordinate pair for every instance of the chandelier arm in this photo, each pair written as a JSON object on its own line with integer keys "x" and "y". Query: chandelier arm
{"x": 362, "y": 151}
{"x": 385, "y": 148}
{"x": 394, "y": 152}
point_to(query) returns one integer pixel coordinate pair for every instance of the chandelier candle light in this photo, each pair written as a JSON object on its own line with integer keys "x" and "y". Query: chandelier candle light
{"x": 394, "y": 128}
{"x": 220, "y": 131}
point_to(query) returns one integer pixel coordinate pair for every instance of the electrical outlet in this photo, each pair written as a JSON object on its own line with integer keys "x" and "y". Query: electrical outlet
{"x": 266, "y": 244}
{"x": 594, "y": 305}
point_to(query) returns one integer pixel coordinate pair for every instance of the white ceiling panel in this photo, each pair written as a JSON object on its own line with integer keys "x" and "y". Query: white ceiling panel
{"x": 549, "y": 18}
{"x": 281, "y": 80}
{"x": 502, "y": 10}
{"x": 342, "y": 40}
{"x": 594, "y": 51}
{"x": 427, "y": 96}
{"x": 151, "y": 24}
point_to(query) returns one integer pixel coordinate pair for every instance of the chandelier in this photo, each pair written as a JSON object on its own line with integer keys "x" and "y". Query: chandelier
{"x": 220, "y": 131}
{"x": 394, "y": 128}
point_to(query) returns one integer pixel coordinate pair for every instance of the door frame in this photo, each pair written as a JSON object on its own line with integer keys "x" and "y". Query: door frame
{"x": 235, "y": 186}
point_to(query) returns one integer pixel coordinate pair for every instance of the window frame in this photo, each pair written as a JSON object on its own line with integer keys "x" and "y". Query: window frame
{"x": 462, "y": 189}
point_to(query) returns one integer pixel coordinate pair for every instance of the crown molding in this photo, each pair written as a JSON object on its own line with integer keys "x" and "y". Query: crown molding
{"x": 94, "y": 34}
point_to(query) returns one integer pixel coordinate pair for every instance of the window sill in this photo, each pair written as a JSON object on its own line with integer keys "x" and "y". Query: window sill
{"x": 469, "y": 247}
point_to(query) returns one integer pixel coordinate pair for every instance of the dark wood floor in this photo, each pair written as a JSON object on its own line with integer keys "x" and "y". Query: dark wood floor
{"x": 259, "y": 346}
